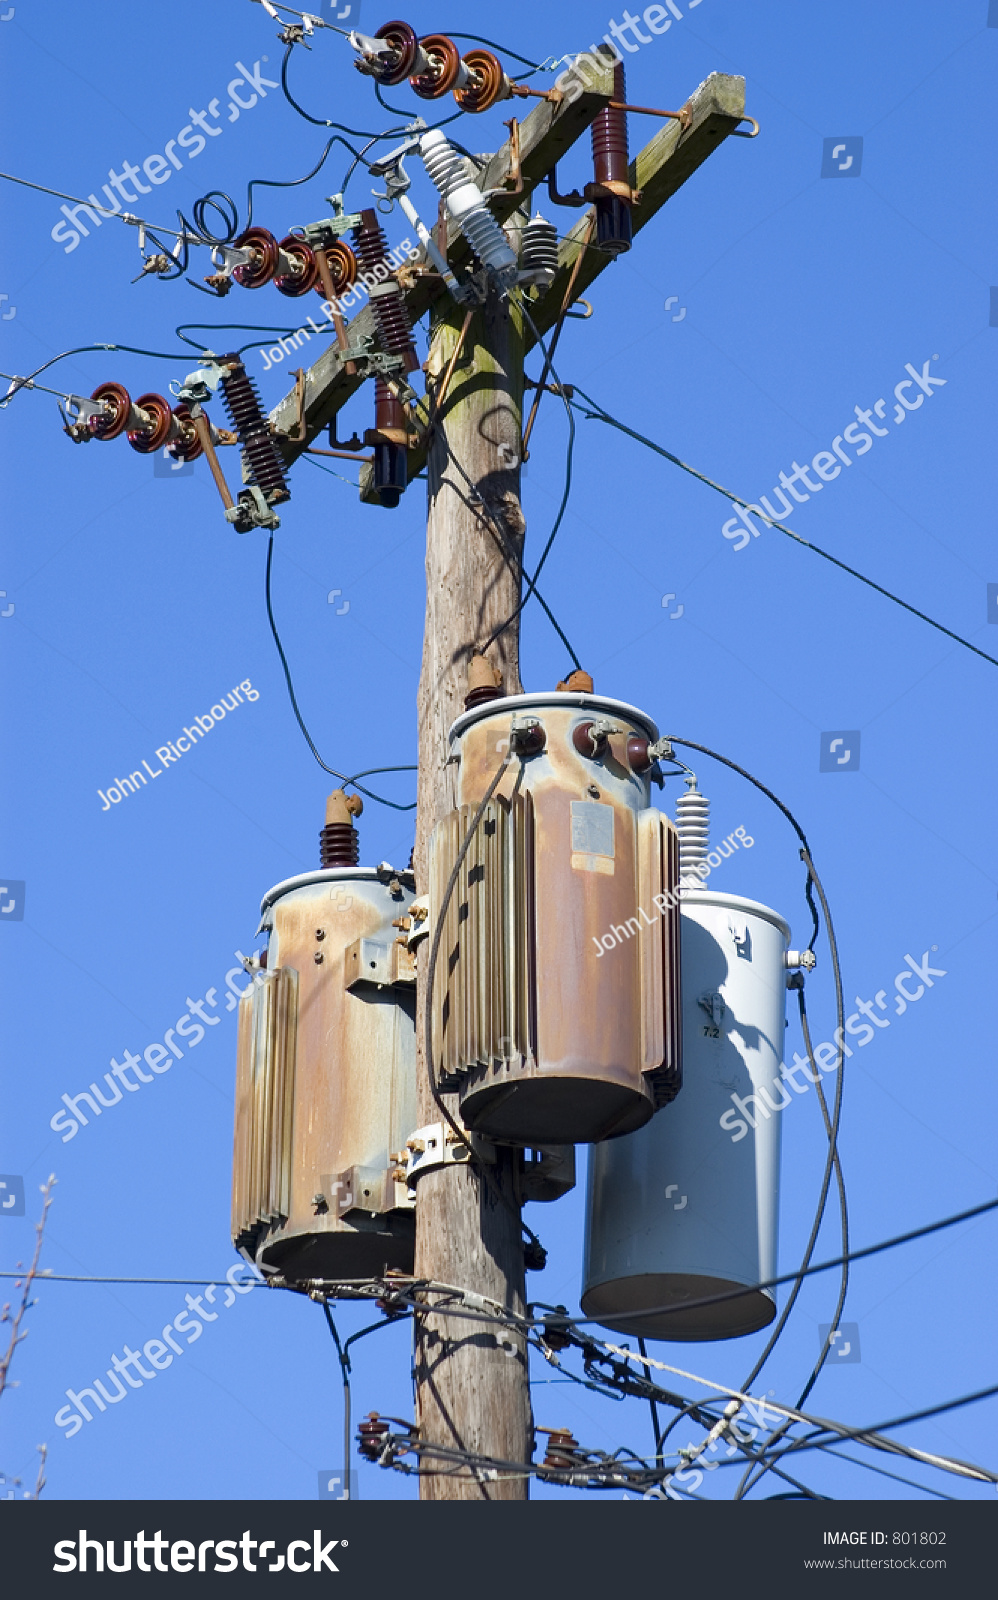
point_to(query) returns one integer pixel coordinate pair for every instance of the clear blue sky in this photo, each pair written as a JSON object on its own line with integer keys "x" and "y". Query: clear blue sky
{"x": 136, "y": 606}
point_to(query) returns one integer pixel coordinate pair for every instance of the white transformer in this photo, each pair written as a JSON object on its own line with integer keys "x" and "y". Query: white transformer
{"x": 687, "y": 1207}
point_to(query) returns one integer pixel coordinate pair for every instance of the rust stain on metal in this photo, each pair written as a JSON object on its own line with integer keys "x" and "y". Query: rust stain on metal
{"x": 326, "y": 1087}
{"x": 592, "y": 1050}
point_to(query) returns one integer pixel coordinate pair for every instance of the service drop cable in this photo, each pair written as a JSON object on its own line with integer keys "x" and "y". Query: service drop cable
{"x": 873, "y": 1437}
{"x": 876, "y": 1432}
{"x": 372, "y": 1288}
{"x": 599, "y": 415}
{"x": 18, "y": 383}
{"x": 791, "y": 1277}
{"x": 394, "y": 804}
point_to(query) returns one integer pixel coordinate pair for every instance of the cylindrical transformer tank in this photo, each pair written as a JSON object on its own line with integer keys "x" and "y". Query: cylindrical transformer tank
{"x": 326, "y": 1080}
{"x": 556, "y": 990}
{"x": 687, "y": 1207}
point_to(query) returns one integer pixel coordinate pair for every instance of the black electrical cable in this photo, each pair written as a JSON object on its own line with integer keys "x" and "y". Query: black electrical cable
{"x": 791, "y": 1277}
{"x": 748, "y": 1480}
{"x": 358, "y": 133}
{"x": 226, "y": 209}
{"x": 220, "y": 327}
{"x": 318, "y": 122}
{"x": 870, "y": 1437}
{"x": 653, "y": 1407}
{"x": 396, "y": 111}
{"x": 438, "y": 932}
{"x": 82, "y": 349}
{"x": 599, "y": 415}
{"x": 532, "y": 581}
{"x": 863, "y": 1435}
{"x": 871, "y": 1466}
{"x": 688, "y": 744}
{"x": 395, "y": 806}
{"x": 832, "y": 1164}
{"x": 370, "y": 771}
{"x": 374, "y": 1285}
{"x": 573, "y": 1324}
{"x": 491, "y": 45}
{"x": 344, "y": 1361}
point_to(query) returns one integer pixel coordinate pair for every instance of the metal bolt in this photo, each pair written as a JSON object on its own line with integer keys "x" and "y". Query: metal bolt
{"x": 593, "y": 791}
{"x": 320, "y": 933}
{"x": 317, "y": 958}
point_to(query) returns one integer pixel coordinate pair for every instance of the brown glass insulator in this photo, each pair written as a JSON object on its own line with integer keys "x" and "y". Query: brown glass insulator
{"x": 246, "y": 415}
{"x": 109, "y": 423}
{"x": 371, "y": 1434}
{"x": 390, "y": 311}
{"x": 339, "y": 845}
{"x": 613, "y": 210}
{"x": 609, "y": 133}
{"x": 147, "y": 440}
{"x": 561, "y": 1450}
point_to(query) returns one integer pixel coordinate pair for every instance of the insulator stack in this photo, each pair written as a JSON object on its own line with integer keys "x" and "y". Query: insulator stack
{"x": 118, "y": 406}
{"x": 339, "y": 841}
{"x": 266, "y": 253}
{"x": 389, "y": 307}
{"x": 148, "y": 423}
{"x": 450, "y": 173}
{"x": 390, "y": 66}
{"x": 443, "y": 70}
{"x": 151, "y": 436}
{"x": 342, "y": 265}
{"x": 186, "y": 446}
{"x": 486, "y": 84}
{"x": 371, "y": 1434}
{"x": 539, "y": 250}
{"x": 305, "y": 271}
{"x": 246, "y": 414}
{"x": 613, "y": 211}
{"x": 693, "y": 827}
{"x": 562, "y": 1453}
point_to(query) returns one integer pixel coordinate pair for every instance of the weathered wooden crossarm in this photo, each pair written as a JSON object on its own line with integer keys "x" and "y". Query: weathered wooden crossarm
{"x": 546, "y": 133}
{"x": 671, "y": 156}
{"x": 659, "y": 170}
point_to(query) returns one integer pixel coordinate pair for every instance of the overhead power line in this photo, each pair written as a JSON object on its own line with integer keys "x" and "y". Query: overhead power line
{"x": 599, "y": 415}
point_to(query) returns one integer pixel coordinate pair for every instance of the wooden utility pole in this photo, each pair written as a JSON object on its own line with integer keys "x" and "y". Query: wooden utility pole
{"x": 472, "y": 1380}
